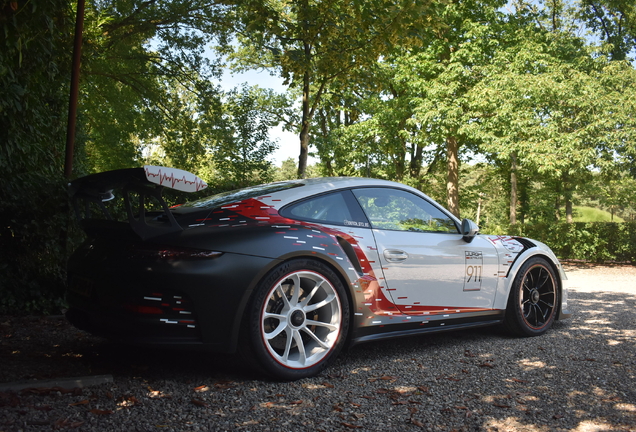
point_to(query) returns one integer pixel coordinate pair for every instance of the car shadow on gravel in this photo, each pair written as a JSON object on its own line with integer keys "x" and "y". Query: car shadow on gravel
{"x": 578, "y": 376}
{"x": 45, "y": 348}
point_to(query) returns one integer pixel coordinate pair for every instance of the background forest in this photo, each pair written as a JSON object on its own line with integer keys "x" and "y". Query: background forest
{"x": 517, "y": 114}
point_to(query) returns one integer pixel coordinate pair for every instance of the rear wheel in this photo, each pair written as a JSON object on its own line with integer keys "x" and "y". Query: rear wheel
{"x": 298, "y": 320}
{"x": 533, "y": 299}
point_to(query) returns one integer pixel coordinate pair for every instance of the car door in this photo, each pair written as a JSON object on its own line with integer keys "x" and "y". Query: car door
{"x": 428, "y": 267}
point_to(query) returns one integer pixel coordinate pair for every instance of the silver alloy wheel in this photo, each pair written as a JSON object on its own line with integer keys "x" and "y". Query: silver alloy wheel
{"x": 301, "y": 319}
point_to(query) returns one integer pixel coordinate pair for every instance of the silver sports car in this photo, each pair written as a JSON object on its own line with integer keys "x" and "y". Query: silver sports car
{"x": 288, "y": 273}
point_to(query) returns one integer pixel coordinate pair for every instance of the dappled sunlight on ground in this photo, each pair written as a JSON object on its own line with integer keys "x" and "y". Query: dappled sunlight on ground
{"x": 580, "y": 376}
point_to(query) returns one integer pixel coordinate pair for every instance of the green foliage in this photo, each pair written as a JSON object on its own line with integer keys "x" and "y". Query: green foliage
{"x": 34, "y": 74}
{"x": 593, "y": 241}
{"x": 314, "y": 44}
{"x": 614, "y": 22}
{"x": 394, "y": 90}
{"x": 244, "y": 146}
{"x": 145, "y": 79}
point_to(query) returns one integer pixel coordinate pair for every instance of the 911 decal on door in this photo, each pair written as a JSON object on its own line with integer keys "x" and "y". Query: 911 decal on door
{"x": 474, "y": 269}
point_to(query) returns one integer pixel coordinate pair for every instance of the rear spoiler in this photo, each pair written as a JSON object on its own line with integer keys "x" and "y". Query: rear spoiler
{"x": 147, "y": 182}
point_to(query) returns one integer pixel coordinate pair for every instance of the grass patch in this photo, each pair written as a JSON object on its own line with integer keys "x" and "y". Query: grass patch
{"x": 591, "y": 214}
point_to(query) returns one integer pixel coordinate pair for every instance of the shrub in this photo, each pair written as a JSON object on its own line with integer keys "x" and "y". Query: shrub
{"x": 588, "y": 241}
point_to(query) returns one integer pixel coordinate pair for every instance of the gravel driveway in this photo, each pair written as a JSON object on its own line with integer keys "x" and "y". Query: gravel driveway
{"x": 580, "y": 376}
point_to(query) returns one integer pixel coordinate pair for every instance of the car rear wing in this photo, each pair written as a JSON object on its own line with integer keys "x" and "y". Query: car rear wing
{"x": 139, "y": 186}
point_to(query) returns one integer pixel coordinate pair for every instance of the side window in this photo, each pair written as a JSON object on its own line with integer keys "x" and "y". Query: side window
{"x": 395, "y": 209}
{"x": 331, "y": 208}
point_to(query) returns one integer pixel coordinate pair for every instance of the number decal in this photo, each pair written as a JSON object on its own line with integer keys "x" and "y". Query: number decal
{"x": 474, "y": 270}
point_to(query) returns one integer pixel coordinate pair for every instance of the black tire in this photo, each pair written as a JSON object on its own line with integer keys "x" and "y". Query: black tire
{"x": 533, "y": 300}
{"x": 292, "y": 333}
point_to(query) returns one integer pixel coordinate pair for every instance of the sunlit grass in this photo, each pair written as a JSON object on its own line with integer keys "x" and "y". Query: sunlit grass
{"x": 591, "y": 214}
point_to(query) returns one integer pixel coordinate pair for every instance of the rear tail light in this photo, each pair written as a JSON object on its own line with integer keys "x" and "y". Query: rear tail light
{"x": 164, "y": 252}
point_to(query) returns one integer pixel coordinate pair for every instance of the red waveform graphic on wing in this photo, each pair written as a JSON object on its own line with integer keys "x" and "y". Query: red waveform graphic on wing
{"x": 174, "y": 178}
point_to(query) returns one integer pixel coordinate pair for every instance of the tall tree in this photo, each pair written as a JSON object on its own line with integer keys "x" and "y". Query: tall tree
{"x": 557, "y": 108}
{"x": 614, "y": 22}
{"x": 135, "y": 53}
{"x": 34, "y": 74}
{"x": 311, "y": 43}
{"x": 441, "y": 75}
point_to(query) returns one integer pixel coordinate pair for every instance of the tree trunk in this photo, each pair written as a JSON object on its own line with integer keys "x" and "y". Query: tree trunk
{"x": 304, "y": 129}
{"x": 513, "y": 189}
{"x": 567, "y": 194}
{"x": 557, "y": 202}
{"x": 416, "y": 162}
{"x": 452, "y": 182}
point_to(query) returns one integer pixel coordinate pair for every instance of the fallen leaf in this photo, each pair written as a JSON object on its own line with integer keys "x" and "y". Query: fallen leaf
{"x": 498, "y": 405}
{"x": 350, "y": 426}
{"x": 417, "y": 423}
{"x": 101, "y": 412}
{"x": 199, "y": 402}
{"x": 328, "y": 385}
{"x": 83, "y": 402}
{"x": 519, "y": 380}
{"x": 223, "y": 385}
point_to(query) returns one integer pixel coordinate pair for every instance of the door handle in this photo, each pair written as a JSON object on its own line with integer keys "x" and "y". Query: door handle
{"x": 395, "y": 255}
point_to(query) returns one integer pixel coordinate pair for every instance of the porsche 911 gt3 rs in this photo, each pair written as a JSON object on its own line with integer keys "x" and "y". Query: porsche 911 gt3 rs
{"x": 290, "y": 272}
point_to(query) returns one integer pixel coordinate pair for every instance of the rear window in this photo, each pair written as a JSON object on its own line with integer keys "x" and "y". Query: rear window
{"x": 225, "y": 198}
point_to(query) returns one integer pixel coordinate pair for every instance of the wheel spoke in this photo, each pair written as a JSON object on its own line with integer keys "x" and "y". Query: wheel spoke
{"x": 318, "y": 305}
{"x": 328, "y": 326}
{"x": 278, "y": 330}
{"x": 315, "y": 338}
{"x": 283, "y": 295}
{"x": 288, "y": 344}
{"x": 293, "y": 301}
{"x": 313, "y": 292}
{"x": 300, "y": 346}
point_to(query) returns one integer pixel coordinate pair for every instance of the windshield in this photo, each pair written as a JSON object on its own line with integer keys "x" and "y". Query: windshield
{"x": 225, "y": 198}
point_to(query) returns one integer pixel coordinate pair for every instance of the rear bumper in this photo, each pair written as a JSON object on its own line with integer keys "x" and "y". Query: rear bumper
{"x": 189, "y": 304}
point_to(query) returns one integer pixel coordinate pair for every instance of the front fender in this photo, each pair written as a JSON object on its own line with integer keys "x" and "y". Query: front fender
{"x": 535, "y": 248}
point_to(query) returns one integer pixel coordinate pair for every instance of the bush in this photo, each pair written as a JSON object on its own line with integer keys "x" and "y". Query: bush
{"x": 588, "y": 241}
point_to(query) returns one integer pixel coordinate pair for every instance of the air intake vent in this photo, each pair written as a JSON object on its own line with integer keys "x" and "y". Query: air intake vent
{"x": 525, "y": 242}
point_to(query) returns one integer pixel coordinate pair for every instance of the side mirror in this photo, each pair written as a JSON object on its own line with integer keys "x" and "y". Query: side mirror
{"x": 469, "y": 230}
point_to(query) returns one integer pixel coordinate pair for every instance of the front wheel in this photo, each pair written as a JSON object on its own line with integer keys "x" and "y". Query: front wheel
{"x": 533, "y": 300}
{"x": 298, "y": 320}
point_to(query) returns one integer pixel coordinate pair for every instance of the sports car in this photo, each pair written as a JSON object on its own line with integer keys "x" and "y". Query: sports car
{"x": 288, "y": 273}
